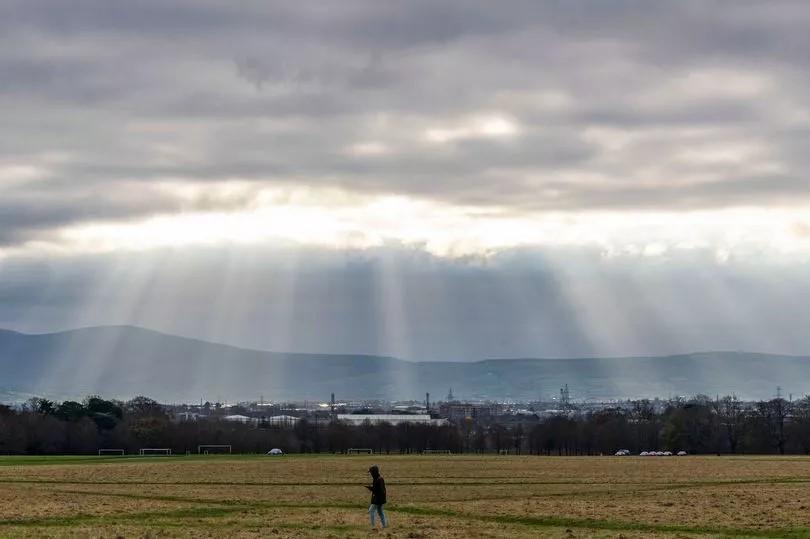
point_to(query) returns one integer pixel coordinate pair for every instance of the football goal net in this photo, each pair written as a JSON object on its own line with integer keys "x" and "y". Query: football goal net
{"x": 152, "y": 451}
{"x": 503, "y": 451}
{"x": 357, "y": 451}
{"x": 436, "y": 452}
{"x": 111, "y": 452}
{"x": 214, "y": 449}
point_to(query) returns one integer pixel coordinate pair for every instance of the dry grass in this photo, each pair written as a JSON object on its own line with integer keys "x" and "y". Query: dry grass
{"x": 436, "y": 496}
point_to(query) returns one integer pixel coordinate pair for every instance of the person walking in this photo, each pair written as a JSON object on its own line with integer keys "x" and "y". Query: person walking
{"x": 378, "y": 497}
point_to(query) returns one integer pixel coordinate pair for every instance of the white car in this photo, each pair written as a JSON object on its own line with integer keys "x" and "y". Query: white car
{"x": 275, "y": 452}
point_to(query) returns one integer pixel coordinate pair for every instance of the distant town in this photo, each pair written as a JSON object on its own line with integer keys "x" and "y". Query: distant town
{"x": 448, "y": 409}
{"x": 559, "y": 426}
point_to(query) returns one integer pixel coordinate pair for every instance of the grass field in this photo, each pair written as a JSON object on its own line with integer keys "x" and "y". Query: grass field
{"x": 429, "y": 496}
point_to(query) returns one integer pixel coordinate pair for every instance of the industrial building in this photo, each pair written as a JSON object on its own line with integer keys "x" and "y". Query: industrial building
{"x": 393, "y": 419}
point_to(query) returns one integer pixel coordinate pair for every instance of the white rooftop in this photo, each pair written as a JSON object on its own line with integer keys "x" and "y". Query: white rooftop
{"x": 385, "y": 418}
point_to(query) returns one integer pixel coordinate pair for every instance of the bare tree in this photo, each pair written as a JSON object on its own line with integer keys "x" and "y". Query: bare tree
{"x": 731, "y": 416}
{"x": 800, "y": 425}
{"x": 774, "y": 414}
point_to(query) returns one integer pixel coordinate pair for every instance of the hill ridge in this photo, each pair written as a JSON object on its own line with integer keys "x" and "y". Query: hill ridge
{"x": 124, "y": 361}
{"x": 361, "y": 354}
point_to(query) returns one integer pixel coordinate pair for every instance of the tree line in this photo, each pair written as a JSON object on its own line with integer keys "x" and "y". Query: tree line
{"x": 699, "y": 426}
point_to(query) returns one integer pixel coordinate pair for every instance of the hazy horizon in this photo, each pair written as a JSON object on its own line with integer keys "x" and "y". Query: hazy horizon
{"x": 361, "y": 354}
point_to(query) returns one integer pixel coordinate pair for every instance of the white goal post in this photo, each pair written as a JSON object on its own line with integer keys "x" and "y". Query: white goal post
{"x": 111, "y": 452}
{"x": 213, "y": 448}
{"x": 436, "y": 452}
{"x": 503, "y": 451}
{"x": 357, "y": 451}
{"x": 150, "y": 451}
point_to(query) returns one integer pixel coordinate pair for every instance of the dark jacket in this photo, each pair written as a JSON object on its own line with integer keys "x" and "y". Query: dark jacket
{"x": 377, "y": 488}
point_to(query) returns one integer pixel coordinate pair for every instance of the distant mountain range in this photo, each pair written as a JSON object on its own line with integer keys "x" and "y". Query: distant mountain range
{"x": 123, "y": 361}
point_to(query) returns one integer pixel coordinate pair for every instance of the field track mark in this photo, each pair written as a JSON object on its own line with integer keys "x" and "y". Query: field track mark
{"x": 297, "y": 483}
{"x": 645, "y": 484}
{"x": 197, "y": 512}
{"x": 158, "y": 498}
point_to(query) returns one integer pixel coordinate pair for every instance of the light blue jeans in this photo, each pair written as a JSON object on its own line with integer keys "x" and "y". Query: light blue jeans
{"x": 373, "y": 511}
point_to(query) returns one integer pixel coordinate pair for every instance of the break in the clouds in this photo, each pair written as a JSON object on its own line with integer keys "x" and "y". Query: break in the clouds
{"x": 652, "y": 132}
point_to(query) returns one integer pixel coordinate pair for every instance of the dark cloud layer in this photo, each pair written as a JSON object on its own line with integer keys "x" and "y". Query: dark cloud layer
{"x": 665, "y": 105}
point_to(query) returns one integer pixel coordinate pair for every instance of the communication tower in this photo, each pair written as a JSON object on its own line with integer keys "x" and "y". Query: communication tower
{"x": 565, "y": 397}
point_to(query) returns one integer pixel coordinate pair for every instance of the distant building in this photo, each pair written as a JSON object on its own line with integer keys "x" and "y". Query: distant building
{"x": 282, "y": 420}
{"x": 459, "y": 411}
{"x": 189, "y": 416}
{"x": 237, "y": 418}
{"x": 393, "y": 419}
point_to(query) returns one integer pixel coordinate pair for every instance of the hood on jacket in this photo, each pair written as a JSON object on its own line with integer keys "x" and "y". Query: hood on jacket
{"x": 374, "y": 471}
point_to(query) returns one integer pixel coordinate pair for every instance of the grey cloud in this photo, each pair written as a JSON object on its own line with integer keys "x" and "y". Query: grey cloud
{"x": 273, "y": 91}
{"x": 32, "y": 215}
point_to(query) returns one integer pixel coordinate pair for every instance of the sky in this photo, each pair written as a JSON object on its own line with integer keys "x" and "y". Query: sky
{"x": 426, "y": 179}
